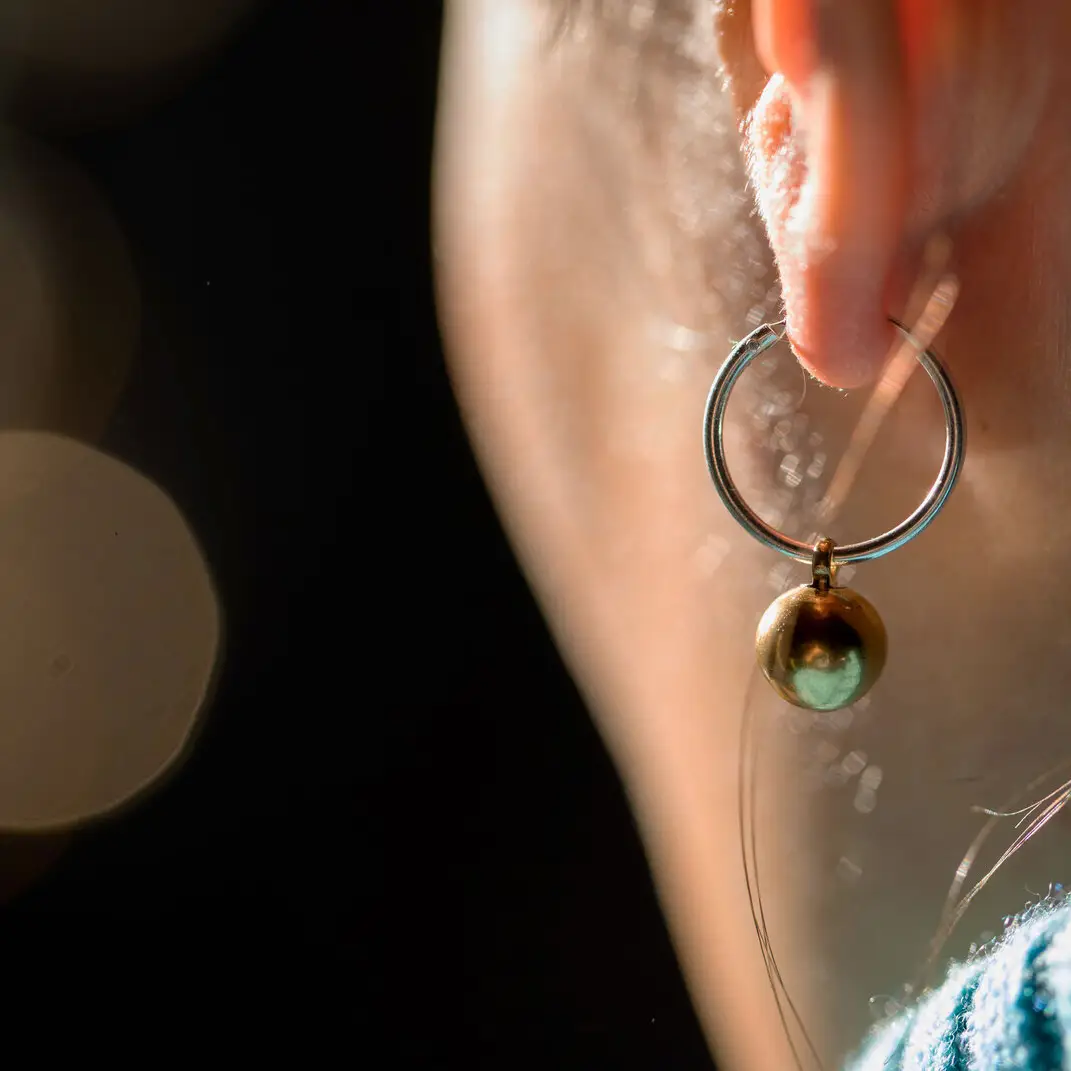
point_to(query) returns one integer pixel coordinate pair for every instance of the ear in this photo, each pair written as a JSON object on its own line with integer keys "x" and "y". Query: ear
{"x": 828, "y": 150}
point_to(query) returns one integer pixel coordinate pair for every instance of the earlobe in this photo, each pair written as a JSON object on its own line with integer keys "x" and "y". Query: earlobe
{"x": 878, "y": 124}
{"x": 828, "y": 151}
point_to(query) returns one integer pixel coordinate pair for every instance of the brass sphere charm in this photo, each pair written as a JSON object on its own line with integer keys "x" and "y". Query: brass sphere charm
{"x": 821, "y": 647}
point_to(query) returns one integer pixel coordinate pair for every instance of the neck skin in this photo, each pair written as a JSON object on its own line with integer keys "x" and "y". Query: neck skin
{"x": 1008, "y": 344}
{"x": 587, "y": 432}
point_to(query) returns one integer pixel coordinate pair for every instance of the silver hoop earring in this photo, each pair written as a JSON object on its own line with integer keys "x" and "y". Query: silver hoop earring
{"x": 822, "y": 647}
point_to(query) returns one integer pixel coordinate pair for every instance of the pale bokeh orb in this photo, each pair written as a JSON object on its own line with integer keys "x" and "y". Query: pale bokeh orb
{"x": 80, "y": 63}
{"x": 110, "y": 633}
{"x": 69, "y": 303}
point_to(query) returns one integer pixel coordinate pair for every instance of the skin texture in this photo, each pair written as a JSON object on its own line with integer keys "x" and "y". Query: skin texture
{"x": 566, "y": 256}
{"x": 868, "y": 110}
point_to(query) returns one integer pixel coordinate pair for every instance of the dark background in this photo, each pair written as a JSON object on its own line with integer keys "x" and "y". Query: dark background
{"x": 399, "y": 814}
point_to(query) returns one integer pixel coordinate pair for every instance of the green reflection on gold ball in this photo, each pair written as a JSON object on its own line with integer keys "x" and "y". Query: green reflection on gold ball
{"x": 821, "y": 650}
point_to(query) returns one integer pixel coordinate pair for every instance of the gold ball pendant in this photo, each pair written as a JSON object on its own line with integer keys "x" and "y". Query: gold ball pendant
{"x": 821, "y": 647}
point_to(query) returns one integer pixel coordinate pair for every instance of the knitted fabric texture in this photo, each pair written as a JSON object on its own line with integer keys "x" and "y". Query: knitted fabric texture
{"x": 1008, "y": 1008}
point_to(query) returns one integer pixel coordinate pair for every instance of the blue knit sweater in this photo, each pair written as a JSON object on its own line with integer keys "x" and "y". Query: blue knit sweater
{"x": 1009, "y": 1007}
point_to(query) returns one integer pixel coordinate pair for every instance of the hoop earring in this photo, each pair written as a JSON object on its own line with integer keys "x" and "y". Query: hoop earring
{"x": 820, "y": 646}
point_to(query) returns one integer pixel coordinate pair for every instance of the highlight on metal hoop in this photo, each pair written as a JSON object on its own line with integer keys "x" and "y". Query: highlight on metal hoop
{"x": 761, "y": 339}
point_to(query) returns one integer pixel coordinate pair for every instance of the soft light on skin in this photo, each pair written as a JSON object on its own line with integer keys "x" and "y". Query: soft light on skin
{"x": 595, "y": 462}
{"x": 608, "y": 510}
{"x": 867, "y": 100}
